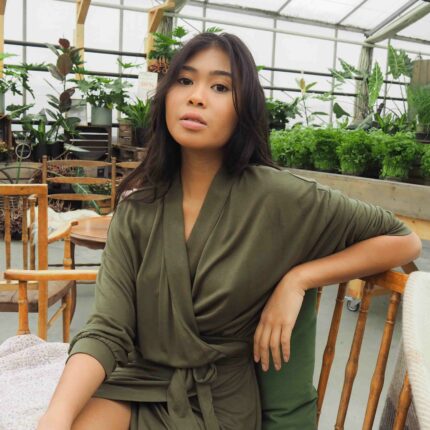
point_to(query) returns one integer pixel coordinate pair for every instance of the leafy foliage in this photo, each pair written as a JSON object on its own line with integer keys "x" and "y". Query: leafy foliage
{"x": 104, "y": 92}
{"x": 354, "y": 152}
{"x": 398, "y": 63}
{"x": 419, "y": 102}
{"x": 425, "y": 161}
{"x": 376, "y": 80}
{"x": 293, "y": 148}
{"x": 138, "y": 113}
{"x": 281, "y": 112}
{"x": 15, "y": 77}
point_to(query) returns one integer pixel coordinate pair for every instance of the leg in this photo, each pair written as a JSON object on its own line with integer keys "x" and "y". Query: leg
{"x": 103, "y": 414}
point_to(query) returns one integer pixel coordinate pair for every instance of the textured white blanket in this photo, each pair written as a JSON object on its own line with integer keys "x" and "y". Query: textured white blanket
{"x": 29, "y": 371}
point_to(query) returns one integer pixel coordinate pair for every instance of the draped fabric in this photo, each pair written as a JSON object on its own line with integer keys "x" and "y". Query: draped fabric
{"x": 173, "y": 320}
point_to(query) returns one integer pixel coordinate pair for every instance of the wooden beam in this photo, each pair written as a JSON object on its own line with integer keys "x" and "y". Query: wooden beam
{"x": 82, "y": 10}
{"x": 2, "y": 11}
{"x": 155, "y": 15}
{"x": 82, "y": 7}
{"x": 2, "y": 6}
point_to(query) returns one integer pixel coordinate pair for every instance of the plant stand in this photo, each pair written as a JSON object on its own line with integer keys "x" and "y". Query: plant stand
{"x": 95, "y": 140}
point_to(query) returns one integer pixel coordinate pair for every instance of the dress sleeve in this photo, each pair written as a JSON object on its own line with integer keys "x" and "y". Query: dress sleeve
{"x": 109, "y": 333}
{"x": 326, "y": 221}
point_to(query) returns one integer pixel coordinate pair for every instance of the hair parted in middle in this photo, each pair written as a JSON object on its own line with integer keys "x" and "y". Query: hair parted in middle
{"x": 249, "y": 143}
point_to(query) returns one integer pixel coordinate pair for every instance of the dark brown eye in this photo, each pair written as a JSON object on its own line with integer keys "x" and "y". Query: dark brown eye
{"x": 220, "y": 88}
{"x": 185, "y": 81}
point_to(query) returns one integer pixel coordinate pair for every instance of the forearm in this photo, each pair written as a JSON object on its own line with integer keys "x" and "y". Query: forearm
{"x": 364, "y": 258}
{"x": 81, "y": 377}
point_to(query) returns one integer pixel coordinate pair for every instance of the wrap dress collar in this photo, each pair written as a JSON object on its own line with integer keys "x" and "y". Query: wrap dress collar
{"x": 181, "y": 264}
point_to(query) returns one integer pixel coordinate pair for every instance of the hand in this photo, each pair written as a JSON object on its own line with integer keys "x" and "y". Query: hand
{"x": 277, "y": 322}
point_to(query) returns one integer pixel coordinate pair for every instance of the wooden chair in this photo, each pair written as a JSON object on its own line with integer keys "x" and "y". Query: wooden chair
{"x": 17, "y": 201}
{"x": 50, "y": 176}
{"x": 394, "y": 283}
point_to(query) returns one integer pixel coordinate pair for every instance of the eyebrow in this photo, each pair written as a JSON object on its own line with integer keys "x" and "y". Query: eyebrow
{"x": 211, "y": 73}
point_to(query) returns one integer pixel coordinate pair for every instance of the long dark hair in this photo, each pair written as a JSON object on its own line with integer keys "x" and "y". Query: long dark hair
{"x": 249, "y": 143}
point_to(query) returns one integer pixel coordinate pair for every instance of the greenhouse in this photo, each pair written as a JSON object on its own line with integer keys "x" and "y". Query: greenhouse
{"x": 227, "y": 205}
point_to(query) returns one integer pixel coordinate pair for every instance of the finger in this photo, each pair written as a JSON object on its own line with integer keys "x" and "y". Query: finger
{"x": 285, "y": 342}
{"x": 257, "y": 337}
{"x": 264, "y": 347}
{"x": 275, "y": 347}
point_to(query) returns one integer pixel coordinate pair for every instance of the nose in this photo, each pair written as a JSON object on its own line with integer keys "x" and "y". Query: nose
{"x": 197, "y": 96}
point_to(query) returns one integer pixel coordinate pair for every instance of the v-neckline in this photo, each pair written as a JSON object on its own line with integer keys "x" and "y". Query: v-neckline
{"x": 189, "y": 251}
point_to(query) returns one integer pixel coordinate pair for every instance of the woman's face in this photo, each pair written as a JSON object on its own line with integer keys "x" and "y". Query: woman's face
{"x": 200, "y": 114}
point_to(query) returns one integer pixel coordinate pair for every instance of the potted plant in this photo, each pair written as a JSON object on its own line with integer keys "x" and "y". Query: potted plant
{"x": 15, "y": 80}
{"x": 137, "y": 115}
{"x": 103, "y": 94}
{"x": 354, "y": 152}
{"x": 166, "y": 46}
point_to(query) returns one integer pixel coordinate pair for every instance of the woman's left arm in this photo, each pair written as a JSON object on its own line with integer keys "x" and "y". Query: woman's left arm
{"x": 365, "y": 258}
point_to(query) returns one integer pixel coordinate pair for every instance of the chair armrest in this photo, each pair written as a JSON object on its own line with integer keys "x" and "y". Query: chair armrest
{"x": 61, "y": 233}
{"x": 50, "y": 275}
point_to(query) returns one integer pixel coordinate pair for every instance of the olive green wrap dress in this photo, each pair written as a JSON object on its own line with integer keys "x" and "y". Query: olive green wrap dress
{"x": 173, "y": 320}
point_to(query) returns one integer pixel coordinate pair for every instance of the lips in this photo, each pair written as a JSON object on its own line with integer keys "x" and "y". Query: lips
{"x": 193, "y": 117}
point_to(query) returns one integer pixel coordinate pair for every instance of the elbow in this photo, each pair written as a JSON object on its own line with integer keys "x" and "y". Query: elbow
{"x": 414, "y": 246}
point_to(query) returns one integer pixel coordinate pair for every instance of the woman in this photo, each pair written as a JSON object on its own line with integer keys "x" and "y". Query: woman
{"x": 215, "y": 230}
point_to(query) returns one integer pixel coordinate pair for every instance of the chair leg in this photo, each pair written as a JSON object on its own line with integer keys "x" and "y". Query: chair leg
{"x": 23, "y": 309}
{"x": 404, "y": 402}
{"x": 67, "y": 300}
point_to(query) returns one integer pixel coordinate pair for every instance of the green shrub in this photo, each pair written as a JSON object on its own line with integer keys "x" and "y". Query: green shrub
{"x": 292, "y": 148}
{"x": 425, "y": 161}
{"x": 399, "y": 152}
{"x": 354, "y": 152}
{"x": 324, "y": 149}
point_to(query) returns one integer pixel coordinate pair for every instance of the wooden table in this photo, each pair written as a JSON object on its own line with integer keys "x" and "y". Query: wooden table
{"x": 91, "y": 232}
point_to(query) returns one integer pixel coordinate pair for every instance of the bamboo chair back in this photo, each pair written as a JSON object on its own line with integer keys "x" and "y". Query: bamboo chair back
{"x": 394, "y": 283}
{"x": 25, "y": 202}
{"x": 49, "y": 176}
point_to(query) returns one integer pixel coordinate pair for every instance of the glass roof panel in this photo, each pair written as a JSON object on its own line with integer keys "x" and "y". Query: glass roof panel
{"x": 331, "y": 11}
{"x": 373, "y": 12}
{"x": 419, "y": 29}
{"x": 272, "y": 5}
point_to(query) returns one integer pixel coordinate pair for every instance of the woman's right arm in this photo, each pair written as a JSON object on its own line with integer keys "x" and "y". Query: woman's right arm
{"x": 81, "y": 377}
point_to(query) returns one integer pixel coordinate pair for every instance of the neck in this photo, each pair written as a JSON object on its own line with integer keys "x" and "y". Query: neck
{"x": 198, "y": 168}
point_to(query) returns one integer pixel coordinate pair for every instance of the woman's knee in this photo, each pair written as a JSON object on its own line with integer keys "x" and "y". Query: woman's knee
{"x": 103, "y": 414}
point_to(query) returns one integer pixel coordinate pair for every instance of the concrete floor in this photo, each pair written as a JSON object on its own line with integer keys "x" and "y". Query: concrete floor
{"x": 8, "y": 325}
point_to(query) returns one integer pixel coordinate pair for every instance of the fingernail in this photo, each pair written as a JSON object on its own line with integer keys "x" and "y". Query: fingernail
{"x": 278, "y": 367}
{"x": 255, "y": 358}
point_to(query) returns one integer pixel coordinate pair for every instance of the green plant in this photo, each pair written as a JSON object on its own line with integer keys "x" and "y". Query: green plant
{"x": 399, "y": 152}
{"x": 425, "y": 162}
{"x": 104, "y": 92}
{"x": 137, "y": 113}
{"x": 15, "y": 111}
{"x": 354, "y": 152}
{"x": 167, "y": 45}
{"x": 280, "y": 112}
{"x": 305, "y": 96}
{"x": 324, "y": 149}
{"x": 61, "y": 128}
{"x": 15, "y": 77}
{"x": 292, "y": 148}
{"x": 419, "y": 103}
{"x": 392, "y": 123}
